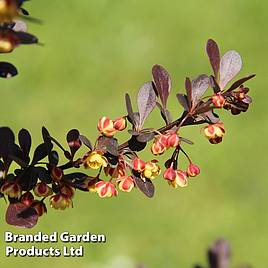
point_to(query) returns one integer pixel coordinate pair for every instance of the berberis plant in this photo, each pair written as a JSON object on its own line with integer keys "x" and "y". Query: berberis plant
{"x": 44, "y": 177}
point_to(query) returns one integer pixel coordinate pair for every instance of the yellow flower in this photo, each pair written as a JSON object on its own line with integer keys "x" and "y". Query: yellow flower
{"x": 151, "y": 170}
{"x": 8, "y": 10}
{"x": 95, "y": 160}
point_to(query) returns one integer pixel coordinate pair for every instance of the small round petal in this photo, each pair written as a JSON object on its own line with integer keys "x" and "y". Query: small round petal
{"x": 218, "y": 100}
{"x": 95, "y": 160}
{"x": 27, "y": 198}
{"x": 126, "y": 183}
{"x": 180, "y": 180}
{"x": 106, "y": 127}
{"x": 173, "y": 140}
{"x": 151, "y": 170}
{"x": 193, "y": 170}
{"x": 42, "y": 190}
{"x": 120, "y": 123}
{"x": 138, "y": 164}
{"x": 170, "y": 174}
{"x": 60, "y": 201}
{"x": 105, "y": 189}
{"x": 57, "y": 174}
{"x": 158, "y": 148}
{"x": 12, "y": 189}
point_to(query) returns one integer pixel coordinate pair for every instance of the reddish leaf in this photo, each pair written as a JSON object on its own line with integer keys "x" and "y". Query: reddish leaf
{"x": 146, "y": 102}
{"x": 21, "y": 215}
{"x": 162, "y": 82}
{"x": 199, "y": 87}
{"x": 146, "y": 187}
{"x": 183, "y": 101}
{"x": 240, "y": 82}
{"x": 214, "y": 56}
{"x": 230, "y": 66}
{"x": 188, "y": 87}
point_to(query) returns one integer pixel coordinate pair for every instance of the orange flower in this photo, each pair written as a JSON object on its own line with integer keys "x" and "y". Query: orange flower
{"x": 105, "y": 189}
{"x": 170, "y": 174}
{"x": 120, "y": 123}
{"x": 180, "y": 180}
{"x": 106, "y": 127}
{"x": 138, "y": 164}
{"x": 173, "y": 140}
{"x": 126, "y": 183}
{"x": 218, "y": 100}
{"x": 8, "y": 10}
{"x": 214, "y": 132}
{"x": 193, "y": 170}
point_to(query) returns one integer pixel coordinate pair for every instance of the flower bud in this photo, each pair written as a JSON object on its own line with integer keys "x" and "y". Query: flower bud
{"x": 193, "y": 170}
{"x": 42, "y": 190}
{"x": 95, "y": 160}
{"x": 170, "y": 174}
{"x": 56, "y": 174}
{"x": 60, "y": 201}
{"x": 138, "y": 164}
{"x": 106, "y": 127}
{"x": 158, "y": 148}
{"x": 214, "y": 132}
{"x": 180, "y": 180}
{"x": 12, "y": 189}
{"x": 67, "y": 190}
{"x": 151, "y": 170}
{"x": 173, "y": 140}
{"x": 40, "y": 207}
{"x": 126, "y": 183}
{"x": 218, "y": 100}
{"x": 27, "y": 198}
{"x": 120, "y": 123}
{"x": 105, "y": 189}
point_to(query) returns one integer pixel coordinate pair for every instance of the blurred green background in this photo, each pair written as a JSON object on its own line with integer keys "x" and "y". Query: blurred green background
{"x": 97, "y": 50}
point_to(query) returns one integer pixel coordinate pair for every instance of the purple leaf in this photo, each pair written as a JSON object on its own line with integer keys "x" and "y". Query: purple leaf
{"x": 199, "y": 87}
{"x": 146, "y": 101}
{"x": 240, "y": 82}
{"x": 7, "y": 70}
{"x": 214, "y": 56}
{"x": 162, "y": 82}
{"x": 183, "y": 101}
{"x": 20, "y": 215}
{"x": 25, "y": 141}
{"x": 230, "y": 66}
{"x": 188, "y": 87}
{"x": 145, "y": 187}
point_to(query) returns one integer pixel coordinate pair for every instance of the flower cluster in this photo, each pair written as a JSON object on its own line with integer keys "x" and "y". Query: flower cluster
{"x": 44, "y": 177}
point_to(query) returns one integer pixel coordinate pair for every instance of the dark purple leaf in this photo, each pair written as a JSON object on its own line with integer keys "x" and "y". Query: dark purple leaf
{"x": 7, "y": 139}
{"x": 20, "y": 215}
{"x": 41, "y": 152}
{"x": 162, "y": 82}
{"x": 183, "y": 101}
{"x": 135, "y": 145}
{"x": 240, "y": 82}
{"x": 145, "y": 187}
{"x": 85, "y": 141}
{"x": 78, "y": 180}
{"x": 130, "y": 109}
{"x": 186, "y": 141}
{"x": 146, "y": 101}
{"x": 165, "y": 113}
{"x": 214, "y": 84}
{"x": 199, "y": 87}
{"x": 214, "y": 56}
{"x": 145, "y": 137}
{"x": 26, "y": 38}
{"x": 53, "y": 158}
{"x": 7, "y": 70}
{"x": 230, "y": 66}
{"x": 188, "y": 87}
{"x": 25, "y": 141}
{"x": 109, "y": 145}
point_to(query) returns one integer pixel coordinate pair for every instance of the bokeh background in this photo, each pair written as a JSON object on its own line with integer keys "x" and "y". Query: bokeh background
{"x": 97, "y": 50}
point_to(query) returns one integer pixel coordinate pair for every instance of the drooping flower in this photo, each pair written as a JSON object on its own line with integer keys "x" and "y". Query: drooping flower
{"x": 27, "y": 198}
{"x": 105, "y": 189}
{"x": 151, "y": 170}
{"x": 218, "y": 100}
{"x": 125, "y": 183}
{"x": 180, "y": 180}
{"x": 40, "y": 207}
{"x": 12, "y": 189}
{"x": 138, "y": 164}
{"x": 173, "y": 140}
{"x": 60, "y": 201}
{"x": 193, "y": 170}
{"x": 42, "y": 190}
{"x": 106, "y": 126}
{"x": 214, "y": 132}
{"x": 95, "y": 160}
{"x": 170, "y": 174}
{"x": 120, "y": 123}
